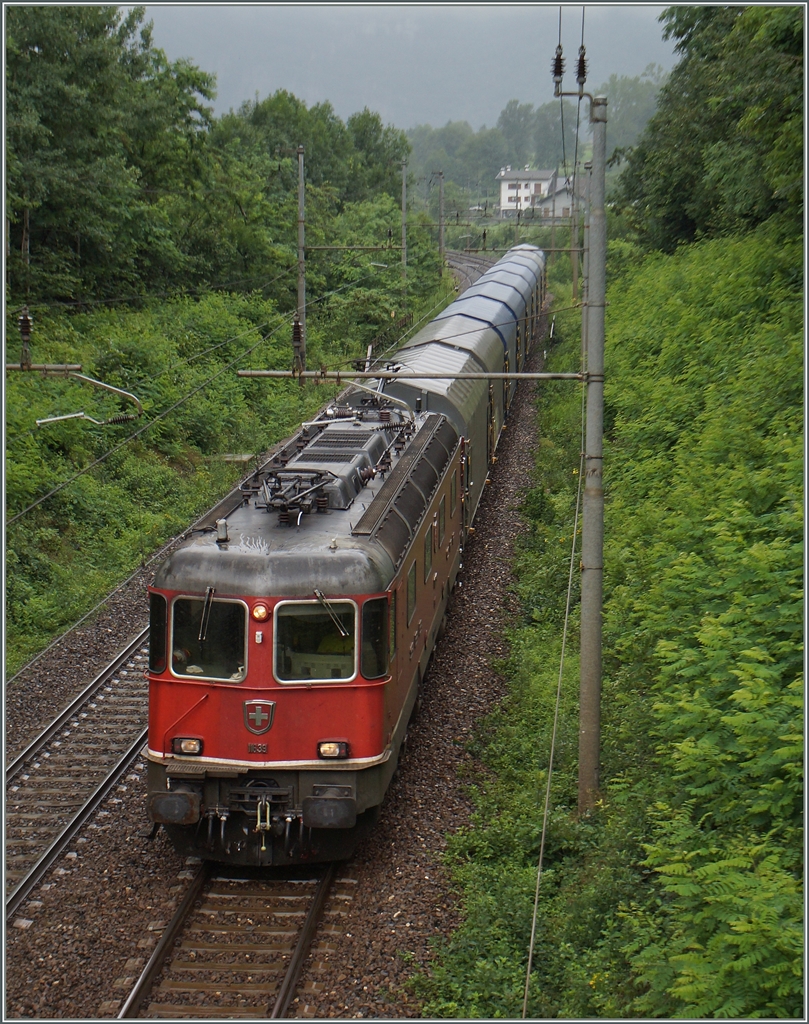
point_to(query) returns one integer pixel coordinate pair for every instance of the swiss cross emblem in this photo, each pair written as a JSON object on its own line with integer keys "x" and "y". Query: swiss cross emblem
{"x": 258, "y": 715}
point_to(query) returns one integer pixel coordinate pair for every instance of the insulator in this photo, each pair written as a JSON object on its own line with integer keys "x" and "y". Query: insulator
{"x": 25, "y": 322}
{"x": 581, "y": 67}
{"x": 297, "y": 335}
{"x": 558, "y": 66}
{"x": 283, "y": 517}
{"x": 384, "y": 415}
{"x": 123, "y": 417}
{"x": 322, "y": 501}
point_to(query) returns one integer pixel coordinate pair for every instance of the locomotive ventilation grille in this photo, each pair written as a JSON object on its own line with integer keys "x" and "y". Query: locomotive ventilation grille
{"x": 318, "y": 455}
{"x": 392, "y": 492}
{"x": 343, "y": 438}
{"x": 335, "y": 446}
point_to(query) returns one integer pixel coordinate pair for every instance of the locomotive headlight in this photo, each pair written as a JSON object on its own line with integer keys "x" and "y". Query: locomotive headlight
{"x": 332, "y": 750}
{"x": 186, "y": 745}
{"x": 260, "y": 612}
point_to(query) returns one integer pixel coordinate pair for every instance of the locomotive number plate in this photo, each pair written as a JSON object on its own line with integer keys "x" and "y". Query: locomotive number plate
{"x": 256, "y": 748}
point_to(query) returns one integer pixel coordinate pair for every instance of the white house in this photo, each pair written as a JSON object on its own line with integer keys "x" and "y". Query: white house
{"x": 544, "y": 192}
{"x": 557, "y": 203}
{"x": 522, "y": 189}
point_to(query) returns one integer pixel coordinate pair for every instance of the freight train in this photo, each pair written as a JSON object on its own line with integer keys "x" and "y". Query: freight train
{"x": 290, "y": 634}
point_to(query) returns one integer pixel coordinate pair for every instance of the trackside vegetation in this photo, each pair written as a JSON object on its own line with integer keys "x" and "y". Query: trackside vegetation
{"x": 681, "y": 895}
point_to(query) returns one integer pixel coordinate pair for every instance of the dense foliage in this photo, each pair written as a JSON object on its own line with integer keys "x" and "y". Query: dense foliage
{"x": 120, "y": 181}
{"x": 681, "y": 896}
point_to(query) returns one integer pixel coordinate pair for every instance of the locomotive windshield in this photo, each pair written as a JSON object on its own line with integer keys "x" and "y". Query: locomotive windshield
{"x": 210, "y": 644}
{"x": 315, "y": 641}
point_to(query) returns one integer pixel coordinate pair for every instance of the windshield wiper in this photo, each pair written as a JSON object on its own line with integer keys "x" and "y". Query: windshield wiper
{"x": 334, "y": 619}
{"x": 206, "y": 614}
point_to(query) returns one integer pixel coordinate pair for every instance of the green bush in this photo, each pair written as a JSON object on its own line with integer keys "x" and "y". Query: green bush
{"x": 681, "y": 895}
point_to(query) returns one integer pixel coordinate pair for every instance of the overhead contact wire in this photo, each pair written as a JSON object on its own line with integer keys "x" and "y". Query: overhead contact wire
{"x": 553, "y": 734}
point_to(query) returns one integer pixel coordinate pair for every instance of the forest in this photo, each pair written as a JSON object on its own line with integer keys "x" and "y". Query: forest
{"x": 155, "y": 244}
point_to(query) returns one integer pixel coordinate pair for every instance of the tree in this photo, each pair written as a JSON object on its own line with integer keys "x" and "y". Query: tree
{"x": 555, "y": 135}
{"x": 723, "y": 153}
{"x": 632, "y": 102}
{"x": 517, "y": 125}
{"x": 378, "y": 154}
{"x": 283, "y": 122}
{"x": 95, "y": 117}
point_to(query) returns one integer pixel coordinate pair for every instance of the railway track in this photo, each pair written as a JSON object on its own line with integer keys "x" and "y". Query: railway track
{"x": 47, "y": 798}
{"x": 467, "y": 267}
{"x": 237, "y": 943}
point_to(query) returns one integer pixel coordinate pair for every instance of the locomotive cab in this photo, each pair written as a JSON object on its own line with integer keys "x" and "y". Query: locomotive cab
{"x": 260, "y": 739}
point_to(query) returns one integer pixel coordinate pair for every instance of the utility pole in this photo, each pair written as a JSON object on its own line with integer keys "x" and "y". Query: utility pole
{"x": 404, "y": 232}
{"x": 586, "y": 262}
{"x": 299, "y": 339}
{"x": 25, "y": 323}
{"x": 441, "y": 218}
{"x": 592, "y": 553}
{"x": 592, "y": 544}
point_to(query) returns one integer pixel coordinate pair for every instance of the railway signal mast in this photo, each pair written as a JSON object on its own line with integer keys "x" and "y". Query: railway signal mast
{"x": 592, "y": 555}
{"x": 299, "y": 328}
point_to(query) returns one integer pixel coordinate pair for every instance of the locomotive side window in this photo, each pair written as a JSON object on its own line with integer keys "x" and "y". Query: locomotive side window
{"x": 374, "y": 659}
{"x": 158, "y": 621}
{"x": 314, "y": 641}
{"x": 411, "y": 592}
{"x": 453, "y": 493}
{"x": 208, "y": 638}
{"x": 428, "y": 552}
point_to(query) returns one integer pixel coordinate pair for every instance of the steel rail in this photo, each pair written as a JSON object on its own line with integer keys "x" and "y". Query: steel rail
{"x": 49, "y": 731}
{"x": 144, "y": 983}
{"x": 25, "y": 885}
{"x": 283, "y": 999}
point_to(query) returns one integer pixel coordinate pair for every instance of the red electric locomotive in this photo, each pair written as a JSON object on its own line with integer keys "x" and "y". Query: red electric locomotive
{"x": 289, "y": 635}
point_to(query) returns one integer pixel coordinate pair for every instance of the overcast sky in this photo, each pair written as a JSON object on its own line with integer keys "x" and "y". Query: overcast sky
{"x": 412, "y": 63}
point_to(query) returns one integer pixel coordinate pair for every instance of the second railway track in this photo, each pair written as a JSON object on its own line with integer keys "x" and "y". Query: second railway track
{"x": 61, "y": 777}
{"x": 467, "y": 267}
